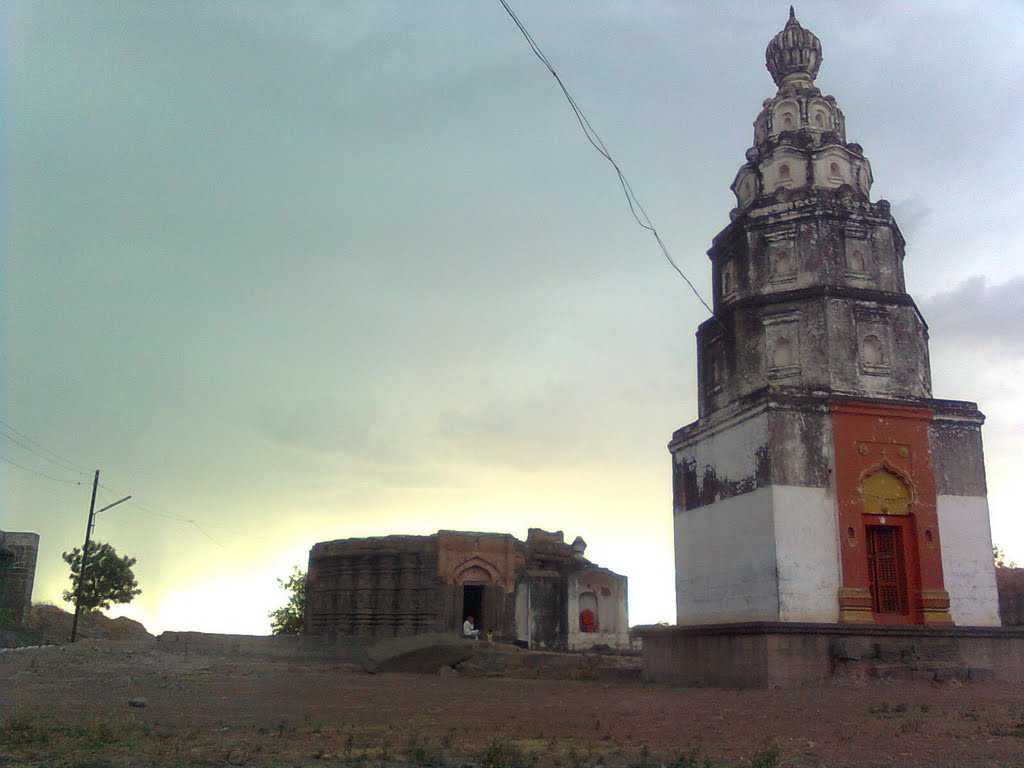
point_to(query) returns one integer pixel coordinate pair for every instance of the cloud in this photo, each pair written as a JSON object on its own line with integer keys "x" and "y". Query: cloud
{"x": 528, "y": 432}
{"x": 979, "y": 314}
{"x": 327, "y": 426}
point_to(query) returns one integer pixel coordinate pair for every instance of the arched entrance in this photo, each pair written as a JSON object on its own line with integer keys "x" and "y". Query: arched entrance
{"x": 477, "y": 595}
{"x": 474, "y": 582}
{"x": 890, "y": 547}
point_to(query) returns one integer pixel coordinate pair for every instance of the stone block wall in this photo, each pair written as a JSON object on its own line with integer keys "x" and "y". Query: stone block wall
{"x": 377, "y": 587}
{"x": 18, "y": 552}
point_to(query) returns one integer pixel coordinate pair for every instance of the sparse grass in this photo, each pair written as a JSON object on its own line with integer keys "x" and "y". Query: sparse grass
{"x": 97, "y": 733}
{"x": 448, "y": 740}
{"x": 769, "y": 757}
{"x": 104, "y": 744}
{"x": 89, "y": 744}
{"x": 418, "y": 750}
{"x": 22, "y": 728}
{"x": 239, "y": 734}
{"x": 350, "y": 744}
{"x": 695, "y": 758}
{"x": 503, "y": 752}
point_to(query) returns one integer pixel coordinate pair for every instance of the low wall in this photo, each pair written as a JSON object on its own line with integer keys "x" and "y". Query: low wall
{"x": 780, "y": 655}
{"x": 1010, "y": 582}
{"x": 284, "y": 647}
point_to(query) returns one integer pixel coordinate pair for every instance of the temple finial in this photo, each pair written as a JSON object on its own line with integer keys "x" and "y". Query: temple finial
{"x": 794, "y": 51}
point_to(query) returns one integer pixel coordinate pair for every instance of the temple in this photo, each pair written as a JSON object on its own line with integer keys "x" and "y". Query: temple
{"x": 541, "y": 593}
{"x": 822, "y": 482}
{"x": 831, "y": 517}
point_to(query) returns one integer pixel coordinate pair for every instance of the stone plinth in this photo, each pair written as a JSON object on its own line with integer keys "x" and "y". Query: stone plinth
{"x": 792, "y": 655}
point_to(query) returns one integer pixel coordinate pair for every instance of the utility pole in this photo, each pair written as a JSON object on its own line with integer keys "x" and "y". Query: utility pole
{"x": 85, "y": 550}
{"x": 85, "y": 556}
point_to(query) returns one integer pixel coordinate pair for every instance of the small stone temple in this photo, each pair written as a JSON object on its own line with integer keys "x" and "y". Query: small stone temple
{"x": 828, "y": 510}
{"x": 541, "y": 593}
{"x": 18, "y": 553}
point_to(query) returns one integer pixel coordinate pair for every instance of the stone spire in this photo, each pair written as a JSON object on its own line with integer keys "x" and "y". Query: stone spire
{"x": 800, "y": 145}
{"x": 809, "y": 286}
{"x": 794, "y": 53}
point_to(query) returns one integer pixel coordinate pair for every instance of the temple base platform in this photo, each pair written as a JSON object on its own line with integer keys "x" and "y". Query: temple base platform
{"x": 793, "y": 655}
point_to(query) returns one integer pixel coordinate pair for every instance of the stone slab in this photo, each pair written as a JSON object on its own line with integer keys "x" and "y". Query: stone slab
{"x": 425, "y": 653}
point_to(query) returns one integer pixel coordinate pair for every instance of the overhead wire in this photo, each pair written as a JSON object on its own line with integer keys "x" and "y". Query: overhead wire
{"x": 158, "y": 513}
{"x": 636, "y": 208}
{"x": 33, "y": 446}
{"x": 26, "y": 442}
{"x": 37, "y": 472}
{"x": 186, "y": 520}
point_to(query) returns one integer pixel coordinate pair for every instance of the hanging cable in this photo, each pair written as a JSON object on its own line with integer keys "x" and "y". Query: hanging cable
{"x": 30, "y": 444}
{"x": 158, "y": 513}
{"x": 33, "y": 446}
{"x": 37, "y": 472}
{"x": 636, "y": 208}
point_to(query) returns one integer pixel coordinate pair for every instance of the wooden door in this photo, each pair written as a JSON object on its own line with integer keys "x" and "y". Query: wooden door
{"x": 887, "y": 572}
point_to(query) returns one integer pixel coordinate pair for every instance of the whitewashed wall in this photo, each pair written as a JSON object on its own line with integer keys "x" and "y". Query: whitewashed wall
{"x": 523, "y": 612}
{"x": 612, "y": 613}
{"x": 807, "y": 553}
{"x": 967, "y": 566}
{"x": 725, "y": 561}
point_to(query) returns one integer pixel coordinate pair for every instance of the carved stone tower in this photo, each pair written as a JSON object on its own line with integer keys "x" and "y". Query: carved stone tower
{"x": 822, "y": 482}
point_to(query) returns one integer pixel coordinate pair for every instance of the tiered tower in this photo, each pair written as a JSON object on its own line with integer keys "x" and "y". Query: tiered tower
{"x": 822, "y": 482}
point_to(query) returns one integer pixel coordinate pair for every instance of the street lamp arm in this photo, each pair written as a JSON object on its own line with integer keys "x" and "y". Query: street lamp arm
{"x": 112, "y": 505}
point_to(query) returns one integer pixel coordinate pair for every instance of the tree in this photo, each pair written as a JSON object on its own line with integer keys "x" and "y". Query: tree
{"x": 290, "y": 618}
{"x": 108, "y": 577}
{"x": 999, "y": 557}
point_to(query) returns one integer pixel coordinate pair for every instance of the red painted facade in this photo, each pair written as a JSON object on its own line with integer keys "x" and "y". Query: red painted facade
{"x": 870, "y": 438}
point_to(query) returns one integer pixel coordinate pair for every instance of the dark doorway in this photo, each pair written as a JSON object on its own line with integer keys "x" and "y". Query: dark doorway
{"x": 886, "y": 570}
{"x": 473, "y": 604}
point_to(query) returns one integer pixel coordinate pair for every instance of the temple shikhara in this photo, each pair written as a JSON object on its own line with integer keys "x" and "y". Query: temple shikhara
{"x": 822, "y": 482}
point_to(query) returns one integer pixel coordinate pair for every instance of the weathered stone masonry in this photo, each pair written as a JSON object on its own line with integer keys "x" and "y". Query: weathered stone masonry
{"x": 542, "y": 593}
{"x": 18, "y": 553}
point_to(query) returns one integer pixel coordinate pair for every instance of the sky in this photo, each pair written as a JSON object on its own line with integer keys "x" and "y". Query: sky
{"x": 306, "y": 271}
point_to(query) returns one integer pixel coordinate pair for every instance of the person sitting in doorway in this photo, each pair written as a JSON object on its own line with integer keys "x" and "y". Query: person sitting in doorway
{"x": 469, "y": 630}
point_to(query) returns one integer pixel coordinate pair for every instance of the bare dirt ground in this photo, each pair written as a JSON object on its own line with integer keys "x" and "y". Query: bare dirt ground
{"x": 70, "y": 707}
